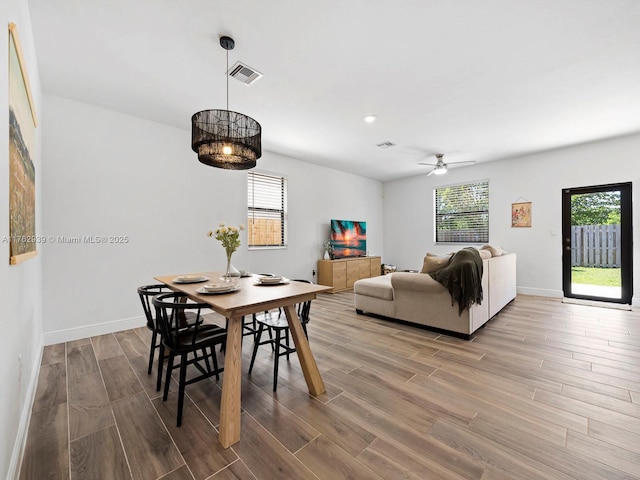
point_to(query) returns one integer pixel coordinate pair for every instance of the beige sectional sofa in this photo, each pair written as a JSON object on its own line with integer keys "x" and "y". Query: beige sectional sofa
{"x": 418, "y": 298}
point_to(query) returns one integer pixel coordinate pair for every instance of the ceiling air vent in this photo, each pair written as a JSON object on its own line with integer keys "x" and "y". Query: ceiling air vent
{"x": 244, "y": 73}
{"x": 386, "y": 145}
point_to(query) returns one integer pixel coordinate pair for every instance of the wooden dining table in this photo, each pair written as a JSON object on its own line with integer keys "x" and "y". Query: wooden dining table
{"x": 249, "y": 298}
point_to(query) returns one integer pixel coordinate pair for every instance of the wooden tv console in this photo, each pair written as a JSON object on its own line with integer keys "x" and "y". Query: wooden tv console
{"x": 341, "y": 274}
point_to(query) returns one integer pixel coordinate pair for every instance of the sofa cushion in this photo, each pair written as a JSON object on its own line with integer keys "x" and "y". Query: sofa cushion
{"x": 494, "y": 249}
{"x": 433, "y": 263}
{"x": 378, "y": 287}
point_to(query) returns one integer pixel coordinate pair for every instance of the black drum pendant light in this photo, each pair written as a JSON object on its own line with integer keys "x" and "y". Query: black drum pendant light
{"x": 226, "y": 139}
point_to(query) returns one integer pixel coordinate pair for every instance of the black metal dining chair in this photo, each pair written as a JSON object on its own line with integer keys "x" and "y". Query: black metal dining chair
{"x": 277, "y": 326}
{"x": 195, "y": 345}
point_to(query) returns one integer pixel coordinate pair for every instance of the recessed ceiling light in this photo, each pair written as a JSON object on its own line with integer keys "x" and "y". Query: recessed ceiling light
{"x": 370, "y": 118}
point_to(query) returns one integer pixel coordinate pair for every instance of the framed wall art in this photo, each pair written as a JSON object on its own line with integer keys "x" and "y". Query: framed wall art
{"x": 22, "y": 143}
{"x": 521, "y": 214}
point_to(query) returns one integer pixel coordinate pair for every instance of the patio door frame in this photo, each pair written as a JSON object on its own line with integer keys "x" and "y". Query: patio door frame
{"x": 626, "y": 240}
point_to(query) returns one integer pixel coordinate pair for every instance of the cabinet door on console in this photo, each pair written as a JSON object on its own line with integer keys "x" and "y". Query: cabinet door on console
{"x": 376, "y": 266}
{"x": 365, "y": 268}
{"x": 353, "y": 273}
{"x": 357, "y": 269}
{"x": 340, "y": 275}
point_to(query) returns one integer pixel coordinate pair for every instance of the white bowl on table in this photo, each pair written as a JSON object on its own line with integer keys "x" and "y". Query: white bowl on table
{"x": 217, "y": 287}
{"x": 270, "y": 280}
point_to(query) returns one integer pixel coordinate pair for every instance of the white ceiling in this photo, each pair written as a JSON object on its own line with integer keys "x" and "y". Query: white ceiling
{"x": 477, "y": 80}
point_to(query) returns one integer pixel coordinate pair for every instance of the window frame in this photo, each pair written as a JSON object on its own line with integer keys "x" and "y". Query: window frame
{"x": 484, "y": 227}
{"x": 283, "y": 211}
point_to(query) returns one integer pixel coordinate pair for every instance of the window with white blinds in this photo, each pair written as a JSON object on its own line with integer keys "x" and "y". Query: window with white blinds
{"x": 462, "y": 213}
{"x": 267, "y": 210}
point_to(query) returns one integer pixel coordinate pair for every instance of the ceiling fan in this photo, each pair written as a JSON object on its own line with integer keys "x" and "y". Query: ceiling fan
{"x": 440, "y": 168}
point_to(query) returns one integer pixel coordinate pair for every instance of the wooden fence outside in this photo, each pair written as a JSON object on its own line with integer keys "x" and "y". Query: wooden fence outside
{"x": 595, "y": 246}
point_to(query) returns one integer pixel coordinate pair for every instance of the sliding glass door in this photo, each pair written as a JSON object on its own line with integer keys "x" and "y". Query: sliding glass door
{"x": 597, "y": 260}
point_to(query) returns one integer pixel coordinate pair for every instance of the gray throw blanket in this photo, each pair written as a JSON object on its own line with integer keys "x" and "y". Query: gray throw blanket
{"x": 462, "y": 276}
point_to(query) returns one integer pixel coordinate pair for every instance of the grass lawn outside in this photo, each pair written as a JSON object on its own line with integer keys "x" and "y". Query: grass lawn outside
{"x": 607, "y": 277}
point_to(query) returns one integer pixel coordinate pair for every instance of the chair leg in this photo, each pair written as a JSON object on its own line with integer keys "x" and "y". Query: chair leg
{"x": 256, "y": 344}
{"x": 223, "y": 346}
{"x": 167, "y": 380}
{"x": 181, "y": 385}
{"x": 205, "y": 355}
{"x": 273, "y": 349}
{"x": 276, "y": 360}
{"x": 250, "y": 327}
{"x": 215, "y": 362}
{"x": 268, "y": 331}
{"x": 160, "y": 366}
{"x": 286, "y": 340}
{"x": 254, "y": 325}
{"x": 154, "y": 337}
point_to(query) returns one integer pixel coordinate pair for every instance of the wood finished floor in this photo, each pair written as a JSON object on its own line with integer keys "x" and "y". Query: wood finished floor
{"x": 545, "y": 391}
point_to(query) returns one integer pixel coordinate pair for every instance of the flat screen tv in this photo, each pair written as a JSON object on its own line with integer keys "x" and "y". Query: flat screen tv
{"x": 348, "y": 238}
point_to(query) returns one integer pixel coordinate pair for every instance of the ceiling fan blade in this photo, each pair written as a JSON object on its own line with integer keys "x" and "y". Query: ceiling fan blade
{"x": 460, "y": 163}
{"x": 431, "y": 172}
{"x": 428, "y": 164}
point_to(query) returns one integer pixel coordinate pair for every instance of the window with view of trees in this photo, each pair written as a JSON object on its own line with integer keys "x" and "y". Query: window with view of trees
{"x": 462, "y": 213}
{"x": 267, "y": 210}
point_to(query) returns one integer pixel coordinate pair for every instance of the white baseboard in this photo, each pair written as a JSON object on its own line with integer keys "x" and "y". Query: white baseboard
{"x": 59, "y": 336}
{"x": 540, "y": 292}
{"x": 25, "y": 419}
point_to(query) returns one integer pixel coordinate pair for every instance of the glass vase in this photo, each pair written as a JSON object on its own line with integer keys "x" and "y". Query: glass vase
{"x": 232, "y": 272}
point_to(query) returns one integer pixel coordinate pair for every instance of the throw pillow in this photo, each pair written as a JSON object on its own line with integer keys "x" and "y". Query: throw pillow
{"x": 494, "y": 249}
{"x": 433, "y": 263}
{"x": 484, "y": 254}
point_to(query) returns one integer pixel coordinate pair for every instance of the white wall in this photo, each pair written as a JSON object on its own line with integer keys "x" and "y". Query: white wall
{"x": 109, "y": 174}
{"x": 20, "y": 308}
{"x": 539, "y": 178}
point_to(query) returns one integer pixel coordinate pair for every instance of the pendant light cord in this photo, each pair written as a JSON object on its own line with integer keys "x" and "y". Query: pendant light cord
{"x": 226, "y": 74}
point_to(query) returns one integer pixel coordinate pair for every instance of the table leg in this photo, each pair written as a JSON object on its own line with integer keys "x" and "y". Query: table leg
{"x": 307, "y": 362}
{"x": 230, "y": 402}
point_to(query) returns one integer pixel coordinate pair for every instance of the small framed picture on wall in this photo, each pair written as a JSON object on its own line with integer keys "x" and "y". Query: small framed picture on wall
{"x": 521, "y": 214}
